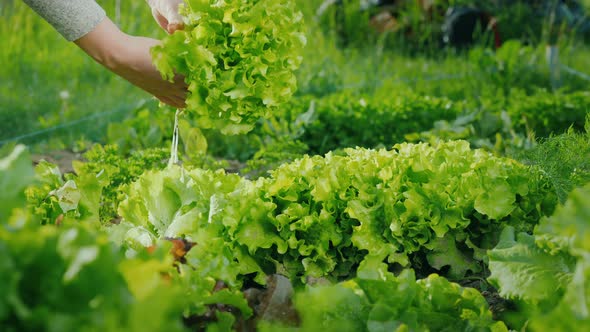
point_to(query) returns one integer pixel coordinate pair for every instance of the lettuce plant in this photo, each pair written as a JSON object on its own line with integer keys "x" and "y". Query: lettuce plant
{"x": 416, "y": 206}
{"x": 238, "y": 58}
{"x": 548, "y": 273}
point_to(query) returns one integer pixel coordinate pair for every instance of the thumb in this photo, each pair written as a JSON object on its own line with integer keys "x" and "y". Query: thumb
{"x": 170, "y": 11}
{"x": 175, "y": 21}
{"x": 162, "y": 21}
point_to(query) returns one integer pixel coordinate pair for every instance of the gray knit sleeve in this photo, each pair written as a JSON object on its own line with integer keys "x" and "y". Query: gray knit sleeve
{"x": 71, "y": 18}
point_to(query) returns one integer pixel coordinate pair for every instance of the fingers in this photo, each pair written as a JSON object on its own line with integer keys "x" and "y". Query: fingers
{"x": 176, "y": 97}
{"x": 178, "y": 102}
{"x": 173, "y": 93}
{"x": 162, "y": 21}
{"x": 181, "y": 94}
{"x": 168, "y": 18}
{"x": 170, "y": 10}
{"x": 179, "y": 80}
{"x": 180, "y": 97}
{"x": 165, "y": 100}
{"x": 175, "y": 102}
{"x": 172, "y": 27}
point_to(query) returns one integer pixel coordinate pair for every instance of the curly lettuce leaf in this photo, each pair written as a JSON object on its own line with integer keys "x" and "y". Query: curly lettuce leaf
{"x": 238, "y": 58}
{"x": 390, "y": 303}
{"x": 174, "y": 203}
{"x": 446, "y": 253}
{"x": 330, "y": 216}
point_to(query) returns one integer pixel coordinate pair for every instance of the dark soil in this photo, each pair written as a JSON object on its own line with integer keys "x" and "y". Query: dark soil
{"x": 497, "y": 304}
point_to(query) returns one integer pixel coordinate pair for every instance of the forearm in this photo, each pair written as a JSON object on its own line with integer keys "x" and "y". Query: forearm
{"x": 117, "y": 51}
{"x": 72, "y": 19}
{"x": 129, "y": 57}
{"x": 85, "y": 23}
{"x": 106, "y": 44}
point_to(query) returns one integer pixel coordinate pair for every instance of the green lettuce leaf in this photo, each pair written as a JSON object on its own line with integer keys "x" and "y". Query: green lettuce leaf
{"x": 16, "y": 173}
{"x": 71, "y": 278}
{"x": 446, "y": 253}
{"x": 572, "y": 313}
{"x": 390, "y": 303}
{"x": 331, "y": 216}
{"x": 569, "y": 228}
{"x": 525, "y": 272}
{"x": 337, "y": 308}
{"x": 549, "y": 270}
{"x": 238, "y": 58}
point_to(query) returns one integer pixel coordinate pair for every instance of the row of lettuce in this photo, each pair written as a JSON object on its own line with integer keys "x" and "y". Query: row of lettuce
{"x": 317, "y": 125}
{"x": 363, "y": 239}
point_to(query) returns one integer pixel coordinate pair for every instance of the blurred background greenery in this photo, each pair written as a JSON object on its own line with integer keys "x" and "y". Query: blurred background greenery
{"x": 53, "y": 90}
{"x": 47, "y": 81}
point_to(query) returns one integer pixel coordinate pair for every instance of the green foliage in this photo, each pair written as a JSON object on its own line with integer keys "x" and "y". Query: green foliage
{"x": 549, "y": 272}
{"x": 53, "y": 199}
{"x": 345, "y": 22}
{"x": 148, "y": 126}
{"x": 483, "y": 129}
{"x": 176, "y": 203}
{"x": 71, "y": 278}
{"x": 379, "y": 118}
{"x": 563, "y": 159}
{"x": 273, "y": 155}
{"x": 415, "y": 205}
{"x": 350, "y": 214}
{"x": 92, "y": 193}
{"x": 118, "y": 170}
{"x": 513, "y": 65}
{"x": 392, "y": 303}
{"x": 524, "y": 271}
{"x": 15, "y": 174}
{"x": 571, "y": 312}
{"x": 238, "y": 58}
{"x": 348, "y": 120}
{"x": 545, "y": 113}
{"x": 568, "y": 230}
{"x": 510, "y": 127}
{"x": 307, "y": 124}
{"x": 391, "y": 204}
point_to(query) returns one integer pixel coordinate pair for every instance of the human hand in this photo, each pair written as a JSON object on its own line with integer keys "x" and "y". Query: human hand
{"x": 129, "y": 57}
{"x": 135, "y": 65}
{"x": 166, "y": 14}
